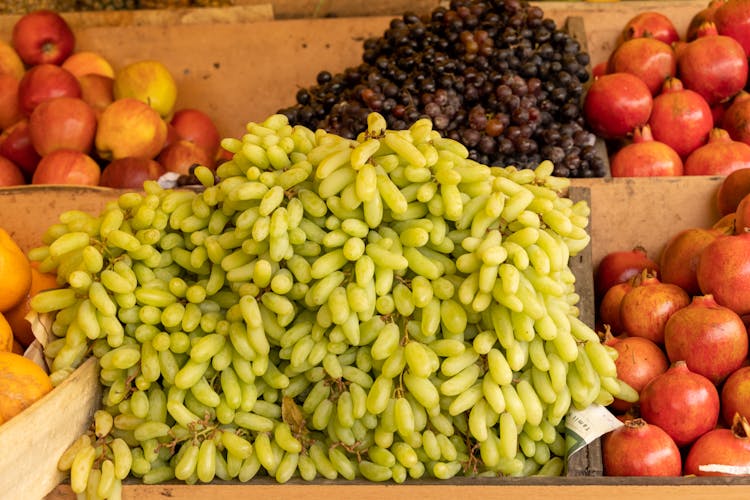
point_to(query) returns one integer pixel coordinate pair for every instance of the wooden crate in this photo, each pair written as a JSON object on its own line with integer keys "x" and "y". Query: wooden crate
{"x": 625, "y": 212}
{"x": 58, "y": 419}
{"x": 244, "y": 66}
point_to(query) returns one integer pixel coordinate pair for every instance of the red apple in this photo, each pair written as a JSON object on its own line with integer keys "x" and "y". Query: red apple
{"x": 88, "y": 63}
{"x": 96, "y": 90}
{"x": 66, "y": 166}
{"x": 10, "y": 110}
{"x": 15, "y": 144}
{"x": 129, "y": 127}
{"x": 196, "y": 126}
{"x": 130, "y": 173}
{"x": 62, "y": 123}
{"x": 181, "y": 155}
{"x": 223, "y": 155}
{"x": 172, "y": 136}
{"x": 43, "y": 82}
{"x": 42, "y": 37}
{"x": 10, "y": 174}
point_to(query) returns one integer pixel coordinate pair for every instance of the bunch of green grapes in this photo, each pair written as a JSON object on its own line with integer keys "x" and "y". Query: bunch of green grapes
{"x": 323, "y": 307}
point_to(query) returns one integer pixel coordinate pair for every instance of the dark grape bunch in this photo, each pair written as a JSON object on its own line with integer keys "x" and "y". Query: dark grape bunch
{"x": 495, "y": 75}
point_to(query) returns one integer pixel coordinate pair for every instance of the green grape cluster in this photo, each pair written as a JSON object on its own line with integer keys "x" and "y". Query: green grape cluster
{"x": 382, "y": 308}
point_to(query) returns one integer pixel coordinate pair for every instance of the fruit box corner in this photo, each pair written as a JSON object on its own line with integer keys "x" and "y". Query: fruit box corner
{"x": 646, "y": 212}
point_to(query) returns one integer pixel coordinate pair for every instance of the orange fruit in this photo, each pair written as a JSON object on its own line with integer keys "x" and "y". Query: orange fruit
{"x": 15, "y": 270}
{"x": 16, "y": 315}
{"x": 22, "y": 382}
{"x": 6, "y": 335}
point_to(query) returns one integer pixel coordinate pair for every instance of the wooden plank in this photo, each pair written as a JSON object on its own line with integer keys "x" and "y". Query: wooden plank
{"x": 629, "y": 212}
{"x": 239, "y": 72}
{"x": 261, "y": 11}
{"x": 290, "y": 9}
{"x": 33, "y": 441}
{"x": 618, "y": 488}
{"x": 27, "y": 211}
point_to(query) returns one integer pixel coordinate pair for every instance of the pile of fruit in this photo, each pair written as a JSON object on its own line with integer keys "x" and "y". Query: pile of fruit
{"x": 380, "y": 308}
{"x": 495, "y": 75}
{"x": 680, "y": 325}
{"x": 68, "y": 117}
{"x": 670, "y": 105}
{"x": 22, "y": 381}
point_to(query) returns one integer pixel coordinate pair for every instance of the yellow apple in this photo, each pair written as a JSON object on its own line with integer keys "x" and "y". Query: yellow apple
{"x": 10, "y": 61}
{"x": 148, "y": 81}
{"x": 10, "y": 108}
{"x": 129, "y": 127}
{"x": 96, "y": 90}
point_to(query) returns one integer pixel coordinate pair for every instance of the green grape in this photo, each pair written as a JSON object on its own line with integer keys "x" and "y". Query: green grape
{"x": 407, "y": 300}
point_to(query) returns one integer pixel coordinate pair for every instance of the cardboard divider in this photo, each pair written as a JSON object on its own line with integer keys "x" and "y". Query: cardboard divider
{"x": 33, "y": 441}
{"x": 647, "y": 211}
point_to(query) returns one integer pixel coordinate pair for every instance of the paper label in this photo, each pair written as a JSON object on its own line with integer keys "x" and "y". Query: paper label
{"x": 584, "y": 426}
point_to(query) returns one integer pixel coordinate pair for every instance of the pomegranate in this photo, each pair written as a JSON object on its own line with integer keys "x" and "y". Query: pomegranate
{"x": 651, "y": 24}
{"x": 619, "y": 266}
{"x": 742, "y": 216}
{"x": 677, "y": 48}
{"x": 599, "y": 69}
{"x": 732, "y": 189}
{"x": 713, "y": 65}
{"x": 679, "y": 258}
{"x": 724, "y": 271}
{"x": 719, "y": 156}
{"x": 733, "y": 19}
{"x": 683, "y": 403}
{"x": 645, "y": 309}
{"x": 638, "y": 362}
{"x": 702, "y": 16}
{"x": 680, "y": 118}
{"x": 718, "y": 110}
{"x": 735, "y": 394}
{"x": 645, "y": 157}
{"x": 721, "y": 452}
{"x": 640, "y": 449}
{"x": 609, "y": 307}
{"x": 617, "y": 103}
{"x": 712, "y": 339}
{"x": 736, "y": 118}
{"x": 649, "y": 59}
{"x": 725, "y": 224}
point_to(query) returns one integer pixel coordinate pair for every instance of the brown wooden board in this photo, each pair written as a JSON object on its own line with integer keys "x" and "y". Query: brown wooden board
{"x": 260, "y": 11}
{"x": 291, "y": 9}
{"x": 637, "y": 211}
{"x": 540, "y": 488}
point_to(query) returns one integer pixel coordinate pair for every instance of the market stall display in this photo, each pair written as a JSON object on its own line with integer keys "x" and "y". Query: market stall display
{"x": 409, "y": 193}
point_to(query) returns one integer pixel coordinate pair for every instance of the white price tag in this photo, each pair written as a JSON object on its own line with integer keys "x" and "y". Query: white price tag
{"x": 584, "y": 426}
